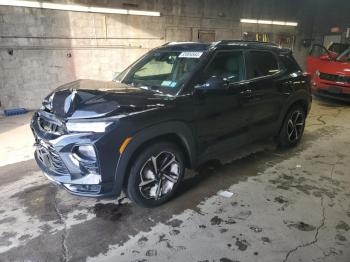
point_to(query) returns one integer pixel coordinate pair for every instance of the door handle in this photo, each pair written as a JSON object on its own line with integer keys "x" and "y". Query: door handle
{"x": 247, "y": 93}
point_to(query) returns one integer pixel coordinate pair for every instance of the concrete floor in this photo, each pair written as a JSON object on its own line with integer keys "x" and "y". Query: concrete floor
{"x": 289, "y": 205}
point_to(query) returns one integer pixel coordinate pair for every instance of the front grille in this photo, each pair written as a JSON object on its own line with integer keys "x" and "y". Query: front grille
{"x": 335, "y": 78}
{"x": 51, "y": 159}
{"x": 51, "y": 127}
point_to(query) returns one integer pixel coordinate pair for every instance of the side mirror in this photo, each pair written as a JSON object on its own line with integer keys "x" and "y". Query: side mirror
{"x": 213, "y": 83}
{"x": 329, "y": 56}
{"x": 325, "y": 57}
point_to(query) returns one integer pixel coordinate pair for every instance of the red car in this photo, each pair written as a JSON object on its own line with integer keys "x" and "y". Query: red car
{"x": 330, "y": 72}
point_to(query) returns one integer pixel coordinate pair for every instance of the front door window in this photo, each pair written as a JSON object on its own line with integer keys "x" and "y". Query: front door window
{"x": 228, "y": 66}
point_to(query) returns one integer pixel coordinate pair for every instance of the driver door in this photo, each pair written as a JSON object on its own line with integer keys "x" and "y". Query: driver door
{"x": 220, "y": 112}
{"x": 314, "y": 59}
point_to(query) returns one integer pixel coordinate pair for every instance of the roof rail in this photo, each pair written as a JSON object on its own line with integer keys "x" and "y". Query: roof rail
{"x": 179, "y": 43}
{"x": 244, "y": 41}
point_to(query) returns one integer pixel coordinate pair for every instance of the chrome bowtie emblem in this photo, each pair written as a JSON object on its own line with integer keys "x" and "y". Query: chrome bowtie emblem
{"x": 49, "y": 102}
{"x": 69, "y": 101}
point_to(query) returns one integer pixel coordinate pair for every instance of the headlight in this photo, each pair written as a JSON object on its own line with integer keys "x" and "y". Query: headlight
{"x": 317, "y": 73}
{"x": 96, "y": 127}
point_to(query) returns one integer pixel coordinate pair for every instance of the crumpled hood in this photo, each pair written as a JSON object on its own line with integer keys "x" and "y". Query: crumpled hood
{"x": 93, "y": 99}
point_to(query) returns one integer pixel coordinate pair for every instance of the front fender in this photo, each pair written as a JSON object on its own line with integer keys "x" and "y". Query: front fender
{"x": 180, "y": 129}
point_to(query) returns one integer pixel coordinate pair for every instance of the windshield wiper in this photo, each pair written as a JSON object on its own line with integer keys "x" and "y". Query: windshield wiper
{"x": 150, "y": 88}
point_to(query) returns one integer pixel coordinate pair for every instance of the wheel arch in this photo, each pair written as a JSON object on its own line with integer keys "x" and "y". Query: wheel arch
{"x": 302, "y": 103}
{"x": 303, "y": 99}
{"x": 177, "y": 132}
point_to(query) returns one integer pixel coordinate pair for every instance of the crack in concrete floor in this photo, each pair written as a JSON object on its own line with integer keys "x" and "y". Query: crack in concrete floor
{"x": 65, "y": 252}
{"x": 290, "y": 252}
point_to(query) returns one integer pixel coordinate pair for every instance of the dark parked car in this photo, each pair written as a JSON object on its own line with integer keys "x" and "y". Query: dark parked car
{"x": 176, "y": 107}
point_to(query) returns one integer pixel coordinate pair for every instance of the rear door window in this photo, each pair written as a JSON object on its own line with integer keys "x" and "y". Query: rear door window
{"x": 261, "y": 63}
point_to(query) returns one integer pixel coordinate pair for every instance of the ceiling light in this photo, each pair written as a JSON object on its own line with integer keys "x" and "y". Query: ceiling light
{"x": 292, "y": 23}
{"x": 249, "y": 21}
{"x": 278, "y": 23}
{"x": 20, "y": 3}
{"x": 138, "y": 12}
{"x": 268, "y": 22}
{"x": 76, "y": 8}
{"x": 265, "y": 22}
{"x": 108, "y": 10}
{"x": 64, "y": 7}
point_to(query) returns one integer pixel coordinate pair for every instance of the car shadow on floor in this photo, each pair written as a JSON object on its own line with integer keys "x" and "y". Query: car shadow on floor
{"x": 330, "y": 102}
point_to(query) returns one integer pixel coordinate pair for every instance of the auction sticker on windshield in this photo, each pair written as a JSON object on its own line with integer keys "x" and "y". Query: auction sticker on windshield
{"x": 191, "y": 54}
{"x": 168, "y": 83}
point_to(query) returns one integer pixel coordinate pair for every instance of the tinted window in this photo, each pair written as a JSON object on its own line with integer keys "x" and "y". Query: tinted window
{"x": 164, "y": 71}
{"x": 338, "y": 48}
{"x": 290, "y": 64}
{"x": 155, "y": 68}
{"x": 227, "y": 65}
{"x": 261, "y": 63}
{"x": 345, "y": 56}
{"x": 317, "y": 50}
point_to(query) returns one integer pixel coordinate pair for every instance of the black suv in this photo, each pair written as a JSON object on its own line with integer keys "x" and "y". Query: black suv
{"x": 176, "y": 107}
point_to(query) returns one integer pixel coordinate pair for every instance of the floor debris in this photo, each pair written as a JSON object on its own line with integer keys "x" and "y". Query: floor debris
{"x": 226, "y": 194}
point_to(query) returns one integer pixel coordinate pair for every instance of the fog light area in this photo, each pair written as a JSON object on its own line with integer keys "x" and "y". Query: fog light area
{"x": 89, "y": 179}
{"x": 83, "y": 188}
{"x": 85, "y": 153}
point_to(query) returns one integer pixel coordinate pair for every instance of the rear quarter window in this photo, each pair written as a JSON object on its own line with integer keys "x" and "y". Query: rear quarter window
{"x": 289, "y": 63}
{"x": 261, "y": 63}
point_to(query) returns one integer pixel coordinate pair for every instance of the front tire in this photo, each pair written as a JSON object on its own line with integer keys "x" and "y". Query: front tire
{"x": 155, "y": 174}
{"x": 293, "y": 127}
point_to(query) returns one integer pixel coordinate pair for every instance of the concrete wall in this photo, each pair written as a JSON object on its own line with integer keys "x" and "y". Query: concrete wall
{"x": 41, "y": 49}
{"x": 329, "y": 14}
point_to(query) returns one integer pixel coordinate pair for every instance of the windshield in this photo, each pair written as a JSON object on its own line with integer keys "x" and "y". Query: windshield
{"x": 338, "y": 47}
{"x": 345, "y": 56}
{"x": 162, "y": 71}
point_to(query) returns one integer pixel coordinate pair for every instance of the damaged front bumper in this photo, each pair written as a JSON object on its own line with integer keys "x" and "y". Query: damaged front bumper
{"x": 65, "y": 160}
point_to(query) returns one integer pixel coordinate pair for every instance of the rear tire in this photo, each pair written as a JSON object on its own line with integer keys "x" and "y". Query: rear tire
{"x": 155, "y": 174}
{"x": 293, "y": 127}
